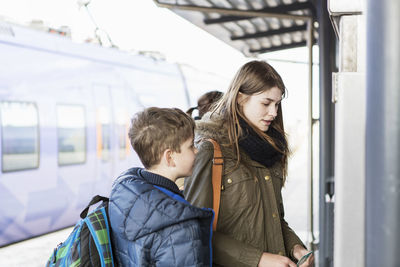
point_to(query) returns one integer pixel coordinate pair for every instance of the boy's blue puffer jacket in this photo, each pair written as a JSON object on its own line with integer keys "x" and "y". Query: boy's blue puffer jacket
{"x": 151, "y": 226}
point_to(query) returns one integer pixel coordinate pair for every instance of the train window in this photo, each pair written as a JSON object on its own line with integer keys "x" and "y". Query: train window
{"x": 71, "y": 134}
{"x": 106, "y": 146}
{"x": 103, "y": 134}
{"x": 122, "y": 140}
{"x": 122, "y": 132}
{"x": 20, "y": 136}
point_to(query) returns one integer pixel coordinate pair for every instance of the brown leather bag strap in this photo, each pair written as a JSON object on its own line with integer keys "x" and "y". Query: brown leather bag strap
{"x": 218, "y": 162}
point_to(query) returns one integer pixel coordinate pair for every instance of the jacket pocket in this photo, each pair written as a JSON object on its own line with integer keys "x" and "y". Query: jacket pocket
{"x": 239, "y": 187}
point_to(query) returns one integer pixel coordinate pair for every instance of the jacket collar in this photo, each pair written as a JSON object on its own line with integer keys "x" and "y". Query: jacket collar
{"x": 161, "y": 181}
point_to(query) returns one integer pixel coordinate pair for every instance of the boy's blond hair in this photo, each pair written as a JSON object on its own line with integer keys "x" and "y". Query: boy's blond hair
{"x": 156, "y": 129}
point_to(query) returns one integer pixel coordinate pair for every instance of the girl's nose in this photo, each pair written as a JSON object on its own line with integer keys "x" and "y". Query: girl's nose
{"x": 273, "y": 111}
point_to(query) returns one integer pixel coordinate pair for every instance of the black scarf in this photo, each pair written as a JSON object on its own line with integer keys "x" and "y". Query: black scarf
{"x": 258, "y": 148}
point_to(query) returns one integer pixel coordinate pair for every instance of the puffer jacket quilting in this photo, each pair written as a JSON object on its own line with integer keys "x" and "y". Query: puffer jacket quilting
{"x": 151, "y": 226}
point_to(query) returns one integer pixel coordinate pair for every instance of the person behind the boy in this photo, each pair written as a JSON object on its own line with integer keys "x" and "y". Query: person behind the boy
{"x": 151, "y": 223}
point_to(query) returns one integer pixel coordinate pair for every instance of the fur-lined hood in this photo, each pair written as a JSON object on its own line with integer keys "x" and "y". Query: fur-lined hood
{"x": 213, "y": 126}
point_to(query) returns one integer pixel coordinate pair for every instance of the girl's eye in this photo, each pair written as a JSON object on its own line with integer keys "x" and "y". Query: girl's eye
{"x": 266, "y": 104}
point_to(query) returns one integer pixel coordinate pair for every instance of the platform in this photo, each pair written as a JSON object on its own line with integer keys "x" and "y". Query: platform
{"x": 33, "y": 252}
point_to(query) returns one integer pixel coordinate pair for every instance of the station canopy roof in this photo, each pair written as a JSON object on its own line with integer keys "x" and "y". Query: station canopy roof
{"x": 251, "y": 26}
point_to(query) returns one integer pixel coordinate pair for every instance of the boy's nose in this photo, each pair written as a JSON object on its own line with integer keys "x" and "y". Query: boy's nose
{"x": 196, "y": 150}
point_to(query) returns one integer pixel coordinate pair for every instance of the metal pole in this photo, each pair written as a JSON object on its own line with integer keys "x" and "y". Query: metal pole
{"x": 310, "y": 42}
{"x": 383, "y": 134}
{"x": 97, "y": 29}
{"x": 326, "y": 41}
{"x": 234, "y": 12}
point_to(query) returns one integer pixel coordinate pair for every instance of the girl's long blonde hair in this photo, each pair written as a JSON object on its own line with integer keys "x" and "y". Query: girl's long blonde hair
{"x": 252, "y": 78}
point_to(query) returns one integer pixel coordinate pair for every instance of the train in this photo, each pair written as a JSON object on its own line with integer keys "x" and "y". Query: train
{"x": 65, "y": 110}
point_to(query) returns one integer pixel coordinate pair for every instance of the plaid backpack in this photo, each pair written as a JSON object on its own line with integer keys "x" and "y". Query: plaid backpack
{"x": 89, "y": 244}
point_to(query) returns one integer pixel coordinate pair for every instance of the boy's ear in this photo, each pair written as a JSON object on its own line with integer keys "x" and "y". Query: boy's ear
{"x": 168, "y": 159}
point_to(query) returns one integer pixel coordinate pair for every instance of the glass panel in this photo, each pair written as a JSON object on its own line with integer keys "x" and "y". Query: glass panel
{"x": 122, "y": 131}
{"x": 71, "y": 134}
{"x": 20, "y": 136}
{"x": 105, "y": 132}
{"x": 105, "y": 140}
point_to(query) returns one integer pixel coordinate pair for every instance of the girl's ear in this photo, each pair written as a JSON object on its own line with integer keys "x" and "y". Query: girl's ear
{"x": 240, "y": 98}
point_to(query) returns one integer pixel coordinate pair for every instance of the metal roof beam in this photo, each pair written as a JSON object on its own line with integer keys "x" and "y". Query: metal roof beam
{"x": 270, "y": 32}
{"x": 281, "y": 9}
{"x": 234, "y": 12}
{"x": 279, "y": 47}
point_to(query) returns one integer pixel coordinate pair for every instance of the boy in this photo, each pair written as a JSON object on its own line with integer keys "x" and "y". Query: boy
{"x": 152, "y": 224}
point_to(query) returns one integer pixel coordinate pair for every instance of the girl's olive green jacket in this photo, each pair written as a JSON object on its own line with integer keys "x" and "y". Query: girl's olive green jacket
{"x": 251, "y": 216}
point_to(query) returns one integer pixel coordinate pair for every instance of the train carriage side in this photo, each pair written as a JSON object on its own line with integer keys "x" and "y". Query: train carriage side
{"x": 64, "y": 111}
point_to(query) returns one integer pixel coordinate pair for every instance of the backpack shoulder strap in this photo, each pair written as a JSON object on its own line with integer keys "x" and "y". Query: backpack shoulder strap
{"x": 97, "y": 223}
{"x": 218, "y": 162}
{"x": 94, "y": 200}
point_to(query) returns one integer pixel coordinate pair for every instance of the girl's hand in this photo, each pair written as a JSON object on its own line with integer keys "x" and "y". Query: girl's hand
{"x": 274, "y": 260}
{"x": 299, "y": 251}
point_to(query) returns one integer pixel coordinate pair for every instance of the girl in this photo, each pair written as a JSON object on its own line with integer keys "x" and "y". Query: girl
{"x": 248, "y": 125}
{"x": 205, "y": 103}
